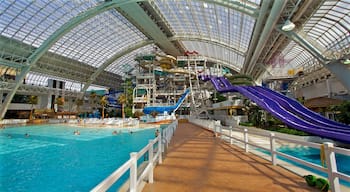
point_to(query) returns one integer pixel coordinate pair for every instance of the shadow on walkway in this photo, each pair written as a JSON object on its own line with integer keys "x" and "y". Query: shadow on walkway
{"x": 197, "y": 161}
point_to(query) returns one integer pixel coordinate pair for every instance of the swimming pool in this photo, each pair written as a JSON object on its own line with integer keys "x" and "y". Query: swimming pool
{"x": 313, "y": 155}
{"x": 52, "y": 158}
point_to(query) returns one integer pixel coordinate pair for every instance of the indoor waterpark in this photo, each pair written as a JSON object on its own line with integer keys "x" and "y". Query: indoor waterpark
{"x": 174, "y": 95}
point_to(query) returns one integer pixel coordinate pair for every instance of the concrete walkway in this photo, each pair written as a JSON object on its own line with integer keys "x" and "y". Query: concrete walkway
{"x": 196, "y": 161}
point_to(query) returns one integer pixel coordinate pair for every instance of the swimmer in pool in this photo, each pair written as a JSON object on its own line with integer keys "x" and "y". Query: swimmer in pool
{"x": 77, "y": 132}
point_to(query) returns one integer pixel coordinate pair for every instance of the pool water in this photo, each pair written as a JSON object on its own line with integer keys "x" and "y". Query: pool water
{"x": 52, "y": 158}
{"x": 313, "y": 155}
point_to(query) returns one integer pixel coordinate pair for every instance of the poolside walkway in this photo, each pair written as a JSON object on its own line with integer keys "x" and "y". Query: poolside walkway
{"x": 196, "y": 161}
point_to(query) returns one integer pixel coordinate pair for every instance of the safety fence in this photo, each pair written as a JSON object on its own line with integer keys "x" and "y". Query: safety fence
{"x": 328, "y": 148}
{"x": 155, "y": 151}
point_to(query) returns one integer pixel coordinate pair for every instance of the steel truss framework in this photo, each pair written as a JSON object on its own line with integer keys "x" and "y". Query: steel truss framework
{"x": 89, "y": 42}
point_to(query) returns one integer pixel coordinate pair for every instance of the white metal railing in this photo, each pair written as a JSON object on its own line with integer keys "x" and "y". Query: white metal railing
{"x": 135, "y": 179}
{"x": 330, "y": 150}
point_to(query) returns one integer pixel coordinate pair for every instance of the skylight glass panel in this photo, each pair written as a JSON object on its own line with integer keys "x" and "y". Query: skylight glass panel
{"x": 127, "y": 63}
{"x": 332, "y": 19}
{"x": 98, "y": 39}
{"x": 216, "y": 52}
{"x": 32, "y": 22}
{"x": 208, "y": 20}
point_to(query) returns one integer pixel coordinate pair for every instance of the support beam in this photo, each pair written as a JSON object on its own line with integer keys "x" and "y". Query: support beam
{"x": 243, "y": 7}
{"x": 329, "y": 61}
{"x": 11, "y": 64}
{"x": 111, "y": 60}
{"x": 137, "y": 16}
{"x": 67, "y": 27}
{"x": 341, "y": 72}
{"x": 275, "y": 12}
{"x": 256, "y": 33}
{"x": 316, "y": 50}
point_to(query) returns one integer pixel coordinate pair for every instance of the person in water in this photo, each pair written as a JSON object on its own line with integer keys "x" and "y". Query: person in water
{"x": 76, "y": 132}
{"x": 26, "y": 135}
{"x": 114, "y": 133}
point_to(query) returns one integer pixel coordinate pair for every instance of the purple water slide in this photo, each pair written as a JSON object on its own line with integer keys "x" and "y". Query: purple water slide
{"x": 279, "y": 112}
{"x": 221, "y": 85}
{"x": 297, "y": 108}
{"x": 307, "y": 122}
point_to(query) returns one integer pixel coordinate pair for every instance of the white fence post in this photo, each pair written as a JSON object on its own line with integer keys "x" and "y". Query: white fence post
{"x": 221, "y": 133}
{"x": 273, "y": 149}
{"x": 246, "y": 146}
{"x": 231, "y": 134}
{"x": 133, "y": 172}
{"x": 160, "y": 159}
{"x": 331, "y": 166}
{"x": 150, "y": 161}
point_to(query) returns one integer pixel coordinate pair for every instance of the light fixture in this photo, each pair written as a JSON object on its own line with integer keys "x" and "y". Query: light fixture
{"x": 288, "y": 26}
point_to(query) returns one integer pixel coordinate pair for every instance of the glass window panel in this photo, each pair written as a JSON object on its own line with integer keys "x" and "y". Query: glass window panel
{"x": 34, "y": 21}
{"x": 211, "y": 21}
{"x": 98, "y": 39}
{"x": 216, "y": 52}
{"x": 328, "y": 21}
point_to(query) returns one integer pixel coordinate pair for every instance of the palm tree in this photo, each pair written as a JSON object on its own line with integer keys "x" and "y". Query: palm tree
{"x": 122, "y": 100}
{"x": 79, "y": 102}
{"x": 103, "y": 102}
{"x": 343, "y": 112}
{"x": 32, "y": 100}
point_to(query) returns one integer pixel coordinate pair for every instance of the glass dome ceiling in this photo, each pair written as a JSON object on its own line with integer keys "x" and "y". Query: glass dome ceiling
{"x": 222, "y": 31}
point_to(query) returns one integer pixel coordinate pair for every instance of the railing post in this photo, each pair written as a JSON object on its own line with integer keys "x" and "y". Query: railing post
{"x": 133, "y": 172}
{"x": 246, "y": 146}
{"x": 273, "y": 149}
{"x": 150, "y": 161}
{"x": 231, "y": 133}
{"x": 221, "y": 133}
{"x": 331, "y": 166}
{"x": 160, "y": 158}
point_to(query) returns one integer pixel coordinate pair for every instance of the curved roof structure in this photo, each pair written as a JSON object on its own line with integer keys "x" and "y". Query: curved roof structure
{"x": 94, "y": 42}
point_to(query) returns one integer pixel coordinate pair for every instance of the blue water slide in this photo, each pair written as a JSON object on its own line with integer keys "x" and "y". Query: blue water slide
{"x": 297, "y": 108}
{"x": 168, "y": 109}
{"x": 281, "y": 113}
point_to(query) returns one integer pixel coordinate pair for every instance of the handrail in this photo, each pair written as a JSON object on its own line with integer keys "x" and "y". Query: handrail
{"x": 330, "y": 150}
{"x": 131, "y": 164}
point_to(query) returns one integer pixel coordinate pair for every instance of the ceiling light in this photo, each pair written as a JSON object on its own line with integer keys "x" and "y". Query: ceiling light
{"x": 288, "y": 26}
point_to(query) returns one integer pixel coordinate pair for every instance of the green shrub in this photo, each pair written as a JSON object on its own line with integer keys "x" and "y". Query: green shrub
{"x": 248, "y": 124}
